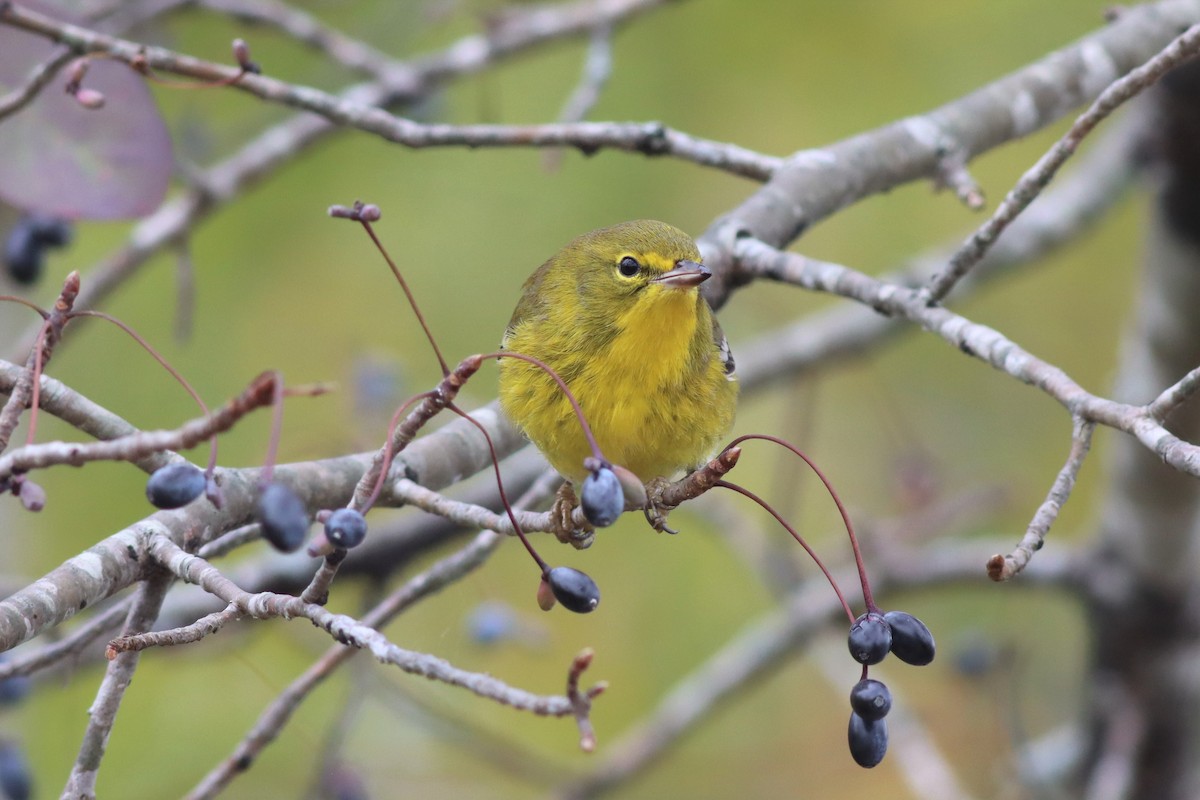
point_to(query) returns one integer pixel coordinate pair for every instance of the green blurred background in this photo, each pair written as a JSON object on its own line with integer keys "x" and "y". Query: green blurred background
{"x": 280, "y": 286}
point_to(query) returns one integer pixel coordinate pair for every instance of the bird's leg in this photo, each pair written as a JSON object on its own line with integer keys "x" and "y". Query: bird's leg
{"x": 656, "y": 508}
{"x": 563, "y": 515}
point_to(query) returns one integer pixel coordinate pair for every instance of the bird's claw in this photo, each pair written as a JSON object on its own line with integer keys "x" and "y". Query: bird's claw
{"x": 657, "y": 509}
{"x": 562, "y": 514}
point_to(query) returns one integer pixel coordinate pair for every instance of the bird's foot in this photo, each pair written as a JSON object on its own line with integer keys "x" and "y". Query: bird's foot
{"x": 562, "y": 515}
{"x": 657, "y": 509}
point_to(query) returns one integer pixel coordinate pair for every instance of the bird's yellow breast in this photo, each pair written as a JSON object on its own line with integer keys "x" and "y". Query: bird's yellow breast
{"x": 654, "y": 391}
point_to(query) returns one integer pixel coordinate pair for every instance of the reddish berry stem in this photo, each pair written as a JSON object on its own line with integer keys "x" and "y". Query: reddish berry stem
{"x": 812, "y": 554}
{"x": 500, "y": 485}
{"x": 858, "y": 559}
{"x": 544, "y": 367}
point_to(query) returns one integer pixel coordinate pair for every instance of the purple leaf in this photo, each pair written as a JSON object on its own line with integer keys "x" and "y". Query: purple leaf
{"x": 63, "y": 159}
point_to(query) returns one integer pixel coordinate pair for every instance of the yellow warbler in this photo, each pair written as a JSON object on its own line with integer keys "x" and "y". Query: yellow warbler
{"x": 617, "y": 313}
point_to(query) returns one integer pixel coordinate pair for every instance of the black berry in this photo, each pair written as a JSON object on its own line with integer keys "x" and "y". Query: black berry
{"x": 912, "y": 642}
{"x": 602, "y": 498}
{"x": 283, "y": 517}
{"x": 868, "y": 740}
{"x": 870, "y": 638}
{"x": 574, "y": 589}
{"x": 346, "y": 528}
{"x": 870, "y": 699}
{"x": 174, "y": 485}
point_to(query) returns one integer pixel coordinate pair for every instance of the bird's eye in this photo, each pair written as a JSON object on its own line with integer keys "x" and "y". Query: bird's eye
{"x": 629, "y": 266}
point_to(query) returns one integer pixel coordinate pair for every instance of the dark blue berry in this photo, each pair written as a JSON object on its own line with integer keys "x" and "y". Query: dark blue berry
{"x": 24, "y": 255}
{"x": 870, "y": 638}
{"x": 574, "y": 589}
{"x": 25, "y": 247}
{"x": 912, "y": 642}
{"x": 490, "y": 623}
{"x": 868, "y": 740}
{"x": 283, "y": 517}
{"x": 977, "y": 657}
{"x": 15, "y": 779}
{"x": 15, "y": 688}
{"x": 50, "y": 231}
{"x": 346, "y": 528}
{"x": 602, "y": 499}
{"x": 870, "y": 699}
{"x": 174, "y": 485}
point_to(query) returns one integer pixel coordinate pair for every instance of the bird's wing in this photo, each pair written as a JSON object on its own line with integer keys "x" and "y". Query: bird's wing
{"x": 726, "y": 354}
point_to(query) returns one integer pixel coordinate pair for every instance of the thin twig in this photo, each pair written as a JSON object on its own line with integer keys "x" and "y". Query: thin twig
{"x": 49, "y": 331}
{"x": 138, "y": 445}
{"x": 283, "y": 143}
{"x": 344, "y": 629}
{"x": 1004, "y": 567}
{"x": 39, "y": 77}
{"x": 202, "y": 627}
{"x": 597, "y": 68}
{"x": 1174, "y": 396}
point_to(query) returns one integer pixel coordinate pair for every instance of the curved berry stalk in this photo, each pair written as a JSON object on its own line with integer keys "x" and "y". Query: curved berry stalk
{"x": 597, "y": 454}
{"x": 574, "y": 589}
{"x": 868, "y": 599}
{"x": 211, "y": 488}
{"x": 388, "y": 454}
{"x": 282, "y": 515}
{"x": 795, "y": 535}
{"x": 55, "y": 322}
{"x": 365, "y": 214}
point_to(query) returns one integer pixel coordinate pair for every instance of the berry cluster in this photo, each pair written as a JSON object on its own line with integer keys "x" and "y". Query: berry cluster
{"x": 872, "y": 636}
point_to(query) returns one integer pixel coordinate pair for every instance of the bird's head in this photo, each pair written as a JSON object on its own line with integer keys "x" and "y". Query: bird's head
{"x": 643, "y": 259}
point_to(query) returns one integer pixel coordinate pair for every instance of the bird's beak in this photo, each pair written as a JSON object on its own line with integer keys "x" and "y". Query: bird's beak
{"x": 685, "y": 275}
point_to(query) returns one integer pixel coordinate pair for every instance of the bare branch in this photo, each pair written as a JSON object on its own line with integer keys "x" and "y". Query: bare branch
{"x": 650, "y": 138}
{"x": 188, "y": 634}
{"x": 301, "y": 27}
{"x": 277, "y": 715}
{"x": 815, "y": 183}
{"x": 103, "y": 713}
{"x": 49, "y": 332}
{"x": 1096, "y": 181}
{"x": 70, "y": 646}
{"x": 282, "y": 143}
{"x": 975, "y": 340}
{"x": 1175, "y": 396}
{"x": 115, "y": 562}
{"x": 1040, "y": 174}
{"x": 581, "y": 702}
